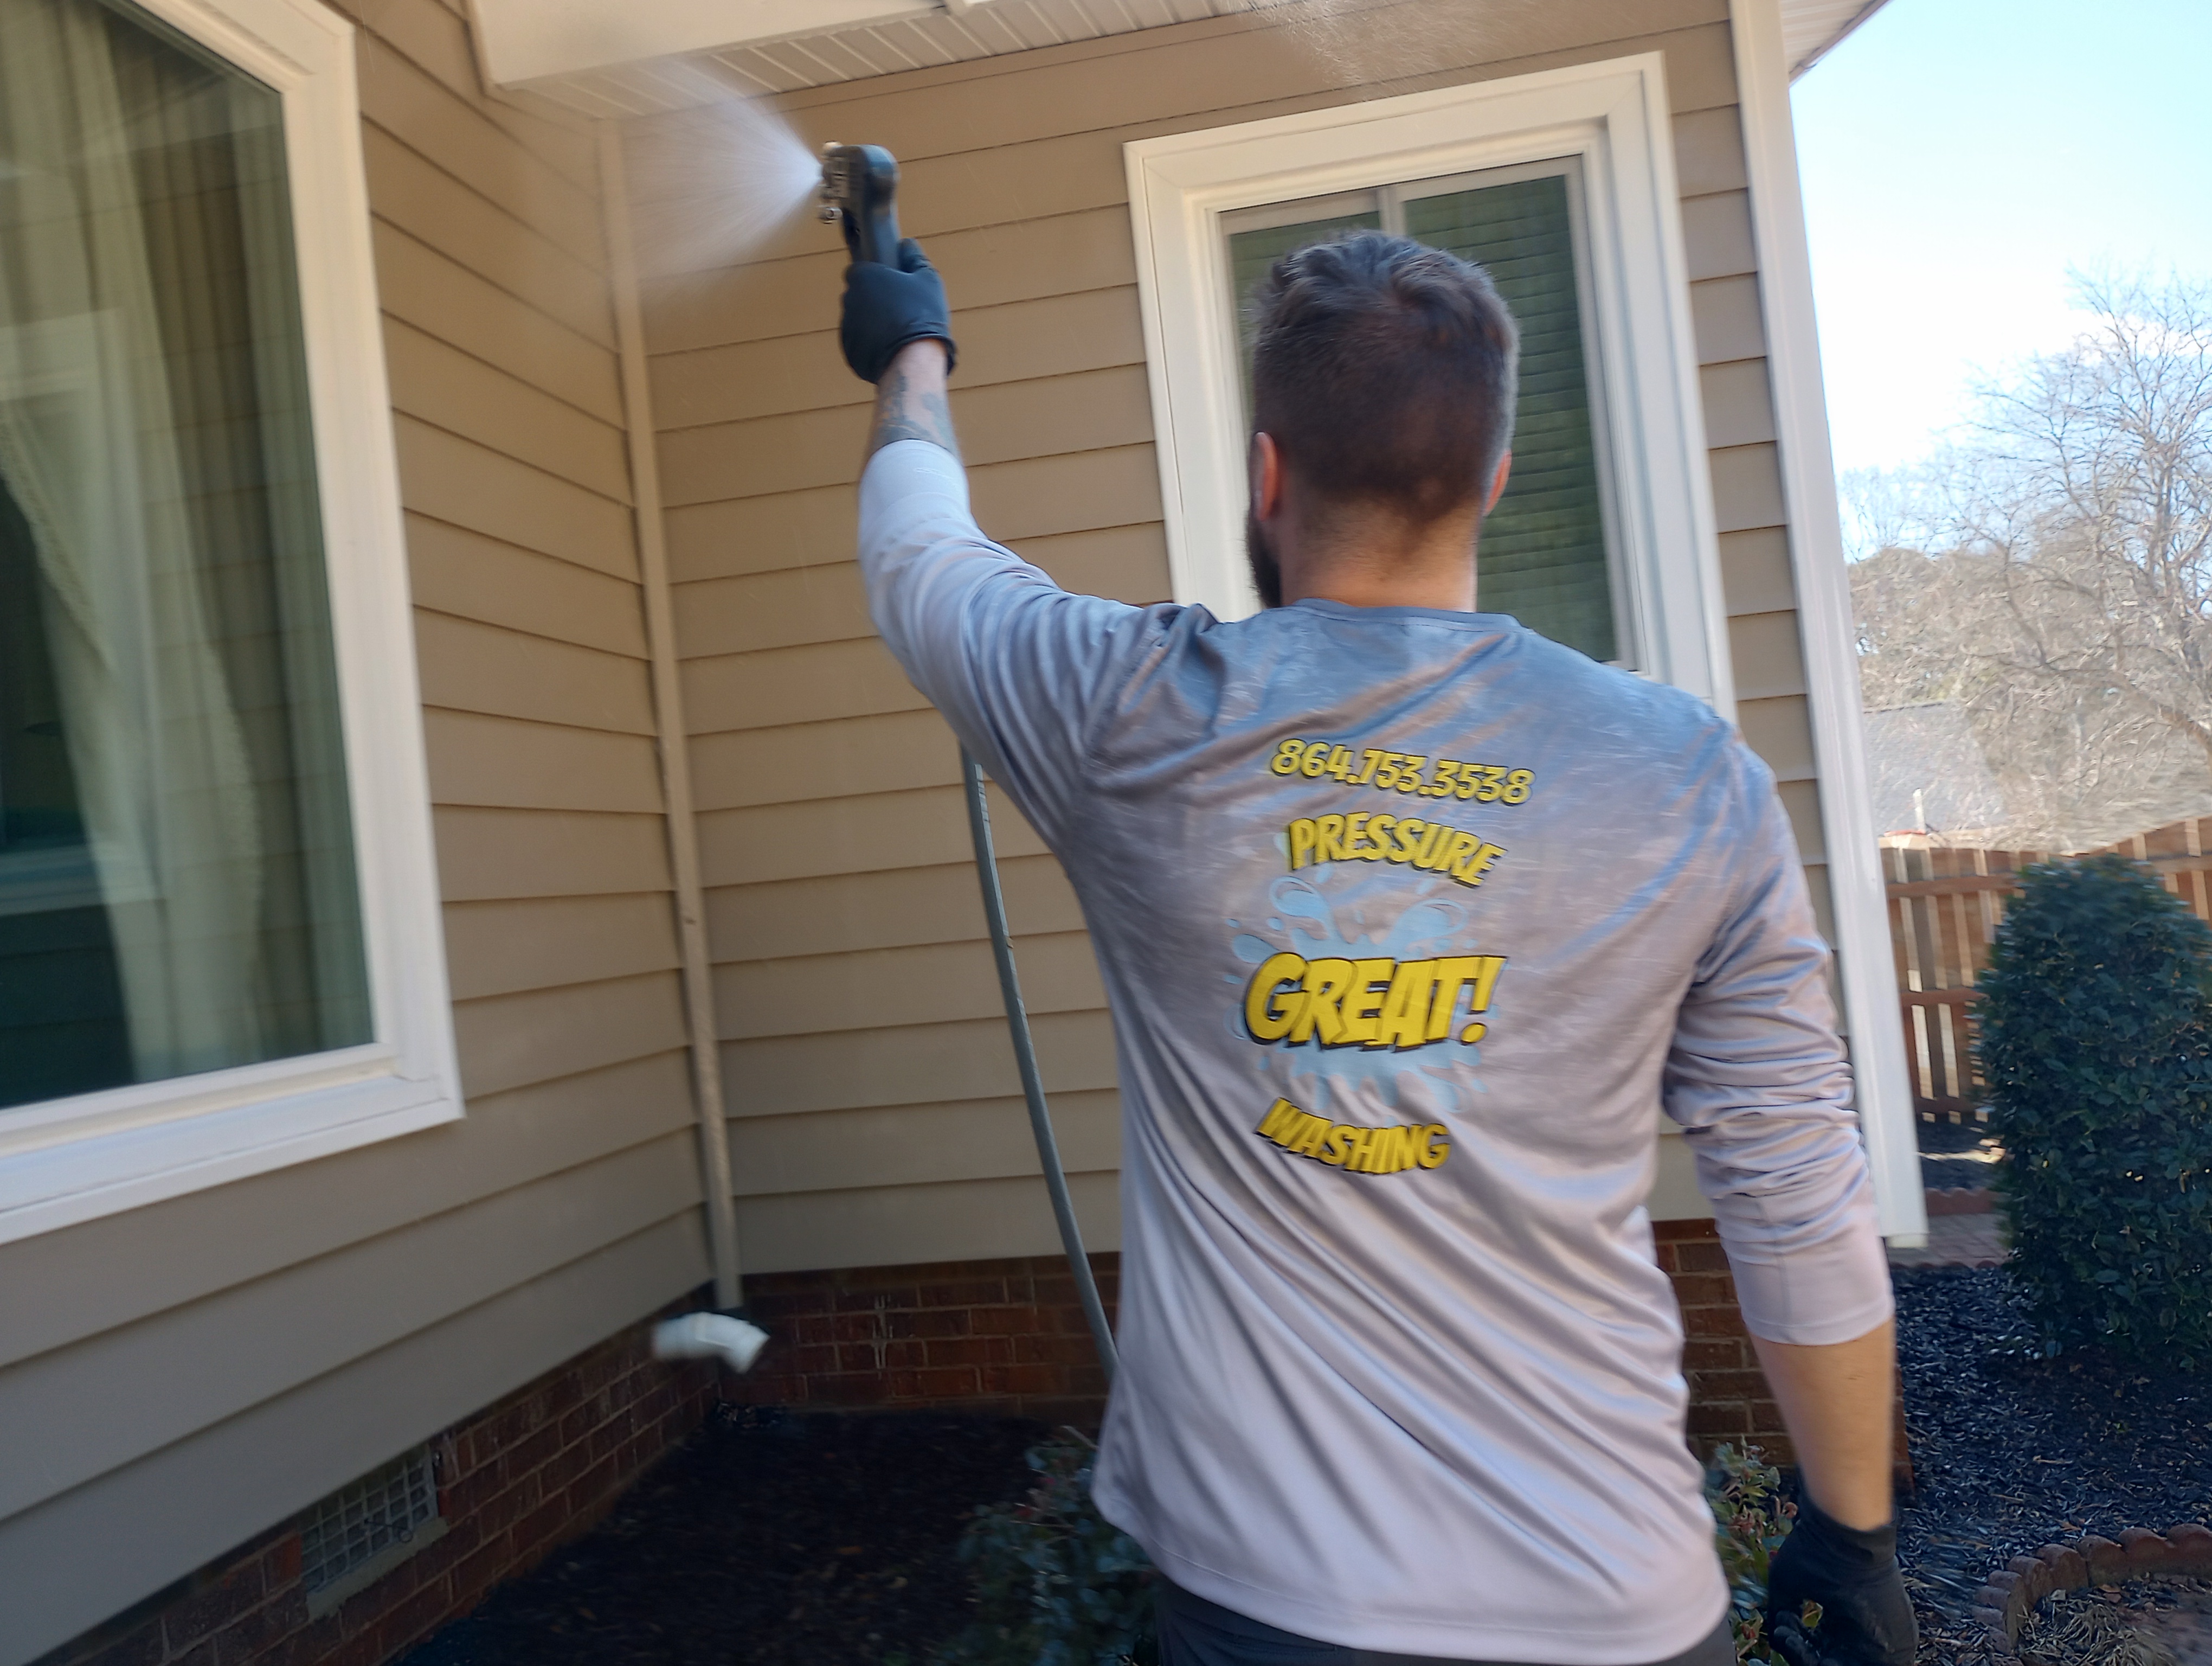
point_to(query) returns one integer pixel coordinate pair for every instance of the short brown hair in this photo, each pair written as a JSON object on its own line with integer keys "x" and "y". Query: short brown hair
{"x": 1385, "y": 372}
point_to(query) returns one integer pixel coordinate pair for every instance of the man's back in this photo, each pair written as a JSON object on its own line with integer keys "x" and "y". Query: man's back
{"x": 1409, "y": 919}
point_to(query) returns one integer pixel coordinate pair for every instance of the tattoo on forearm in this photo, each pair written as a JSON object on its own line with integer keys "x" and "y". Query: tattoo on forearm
{"x": 906, "y": 411}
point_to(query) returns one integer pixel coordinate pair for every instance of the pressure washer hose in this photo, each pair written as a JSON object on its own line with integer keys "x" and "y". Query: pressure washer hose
{"x": 1017, "y": 1025}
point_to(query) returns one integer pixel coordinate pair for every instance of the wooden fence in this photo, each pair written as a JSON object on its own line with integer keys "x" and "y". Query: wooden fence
{"x": 1945, "y": 903}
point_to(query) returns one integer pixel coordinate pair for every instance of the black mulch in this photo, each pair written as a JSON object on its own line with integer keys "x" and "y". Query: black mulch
{"x": 764, "y": 1540}
{"x": 2011, "y": 1452}
{"x": 826, "y": 1540}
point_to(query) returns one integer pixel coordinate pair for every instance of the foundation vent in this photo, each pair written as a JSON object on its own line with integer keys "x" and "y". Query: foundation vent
{"x": 362, "y": 1531}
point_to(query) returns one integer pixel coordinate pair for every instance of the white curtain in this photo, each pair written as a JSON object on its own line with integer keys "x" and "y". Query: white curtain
{"x": 90, "y": 451}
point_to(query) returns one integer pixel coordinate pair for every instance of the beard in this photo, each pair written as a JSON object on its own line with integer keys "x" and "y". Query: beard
{"x": 1260, "y": 555}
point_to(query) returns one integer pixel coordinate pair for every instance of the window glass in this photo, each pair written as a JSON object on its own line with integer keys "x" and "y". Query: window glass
{"x": 177, "y": 885}
{"x": 1543, "y": 553}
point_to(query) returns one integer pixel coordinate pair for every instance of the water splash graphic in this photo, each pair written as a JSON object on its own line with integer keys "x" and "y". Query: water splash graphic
{"x": 1429, "y": 1084}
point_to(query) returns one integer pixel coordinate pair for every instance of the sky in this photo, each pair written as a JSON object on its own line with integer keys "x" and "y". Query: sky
{"x": 1957, "y": 157}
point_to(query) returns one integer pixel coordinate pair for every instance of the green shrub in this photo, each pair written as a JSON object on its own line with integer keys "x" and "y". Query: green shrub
{"x": 1059, "y": 1585}
{"x": 1750, "y": 1522}
{"x": 1056, "y": 1584}
{"x": 2096, "y": 1042}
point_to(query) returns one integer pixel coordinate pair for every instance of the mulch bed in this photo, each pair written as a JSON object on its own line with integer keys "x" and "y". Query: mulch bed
{"x": 765, "y": 1540}
{"x": 2010, "y": 1451}
{"x": 2148, "y": 1623}
{"x": 770, "y": 1539}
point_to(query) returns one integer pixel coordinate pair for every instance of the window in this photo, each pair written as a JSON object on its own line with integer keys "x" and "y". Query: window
{"x": 1561, "y": 185}
{"x": 1544, "y": 557}
{"x": 197, "y": 530}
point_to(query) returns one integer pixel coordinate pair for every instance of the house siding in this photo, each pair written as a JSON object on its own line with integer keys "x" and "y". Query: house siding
{"x": 199, "y": 1369}
{"x": 514, "y": 1481}
{"x": 875, "y": 1117}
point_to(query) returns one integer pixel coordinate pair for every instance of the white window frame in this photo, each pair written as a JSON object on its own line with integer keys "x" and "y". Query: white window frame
{"x": 1612, "y": 116}
{"x": 68, "y": 1160}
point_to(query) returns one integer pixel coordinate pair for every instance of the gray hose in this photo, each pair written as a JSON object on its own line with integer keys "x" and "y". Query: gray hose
{"x": 1018, "y": 1023}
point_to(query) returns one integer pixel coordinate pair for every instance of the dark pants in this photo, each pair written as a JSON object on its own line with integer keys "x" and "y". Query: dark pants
{"x": 1196, "y": 1632}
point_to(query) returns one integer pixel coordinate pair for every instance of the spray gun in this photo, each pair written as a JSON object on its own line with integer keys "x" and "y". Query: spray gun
{"x": 859, "y": 182}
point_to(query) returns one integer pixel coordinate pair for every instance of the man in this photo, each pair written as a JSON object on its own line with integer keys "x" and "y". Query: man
{"x": 1411, "y": 920}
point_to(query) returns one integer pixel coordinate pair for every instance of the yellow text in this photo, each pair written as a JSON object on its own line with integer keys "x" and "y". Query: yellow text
{"x": 1402, "y": 772}
{"x": 1354, "y": 1149}
{"x": 1387, "y": 838}
{"x": 1367, "y": 1003}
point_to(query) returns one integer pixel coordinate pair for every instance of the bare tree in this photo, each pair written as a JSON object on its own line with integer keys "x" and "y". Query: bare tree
{"x": 2053, "y": 574}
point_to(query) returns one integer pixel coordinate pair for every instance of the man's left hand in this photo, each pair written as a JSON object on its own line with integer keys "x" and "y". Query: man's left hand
{"x": 1866, "y": 1618}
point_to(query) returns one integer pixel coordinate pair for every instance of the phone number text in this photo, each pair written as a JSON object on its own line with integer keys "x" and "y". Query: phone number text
{"x": 1402, "y": 772}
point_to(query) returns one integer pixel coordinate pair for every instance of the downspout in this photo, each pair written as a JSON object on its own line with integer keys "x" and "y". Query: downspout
{"x": 697, "y": 966}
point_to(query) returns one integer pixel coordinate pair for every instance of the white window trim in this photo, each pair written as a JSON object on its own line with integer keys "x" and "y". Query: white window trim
{"x": 1614, "y": 116}
{"x": 70, "y": 1160}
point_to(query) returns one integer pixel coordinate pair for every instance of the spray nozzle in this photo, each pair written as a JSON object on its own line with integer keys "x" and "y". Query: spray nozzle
{"x": 859, "y": 184}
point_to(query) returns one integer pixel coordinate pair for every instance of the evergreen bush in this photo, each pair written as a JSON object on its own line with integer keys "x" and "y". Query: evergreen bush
{"x": 1056, "y": 1584}
{"x": 2096, "y": 1043}
{"x": 1750, "y": 1521}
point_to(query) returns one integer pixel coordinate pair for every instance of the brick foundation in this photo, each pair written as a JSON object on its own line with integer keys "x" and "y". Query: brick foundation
{"x": 1730, "y": 1401}
{"x": 1003, "y": 1336}
{"x": 1008, "y": 1336}
{"x": 514, "y": 1481}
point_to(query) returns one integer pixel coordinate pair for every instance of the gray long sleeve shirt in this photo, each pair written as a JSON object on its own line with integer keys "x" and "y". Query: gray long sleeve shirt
{"x": 1412, "y": 923}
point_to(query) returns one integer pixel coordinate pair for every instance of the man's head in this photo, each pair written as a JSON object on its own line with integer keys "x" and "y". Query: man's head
{"x": 1382, "y": 383}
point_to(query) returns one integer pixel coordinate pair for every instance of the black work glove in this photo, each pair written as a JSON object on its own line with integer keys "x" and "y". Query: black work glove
{"x": 887, "y": 307}
{"x": 1866, "y": 1618}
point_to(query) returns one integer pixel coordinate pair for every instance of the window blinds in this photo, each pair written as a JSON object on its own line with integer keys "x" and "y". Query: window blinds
{"x": 1542, "y": 557}
{"x": 1542, "y": 553}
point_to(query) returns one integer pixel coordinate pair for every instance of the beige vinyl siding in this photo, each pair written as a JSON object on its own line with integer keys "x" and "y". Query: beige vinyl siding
{"x": 125, "y": 1533}
{"x": 198, "y": 1369}
{"x": 1747, "y": 501}
{"x": 875, "y": 1115}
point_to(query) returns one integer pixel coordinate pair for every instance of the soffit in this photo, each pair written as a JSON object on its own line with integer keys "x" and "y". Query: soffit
{"x": 1811, "y": 27}
{"x": 630, "y": 57}
{"x": 624, "y": 57}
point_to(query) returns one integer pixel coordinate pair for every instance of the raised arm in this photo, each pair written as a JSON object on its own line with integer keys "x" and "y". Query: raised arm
{"x": 1019, "y": 667}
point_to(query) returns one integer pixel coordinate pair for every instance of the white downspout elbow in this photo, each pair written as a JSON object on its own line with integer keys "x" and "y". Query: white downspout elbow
{"x": 709, "y": 1336}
